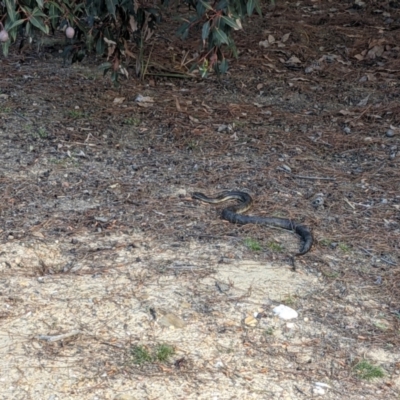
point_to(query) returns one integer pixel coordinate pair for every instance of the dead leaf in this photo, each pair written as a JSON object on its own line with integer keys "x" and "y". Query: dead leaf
{"x": 363, "y": 102}
{"x": 177, "y": 105}
{"x": 194, "y": 119}
{"x": 109, "y": 42}
{"x": 260, "y": 86}
{"x": 264, "y": 43}
{"x": 144, "y": 99}
{"x": 144, "y": 105}
{"x": 285, "y": 37}
{"x": 293, "y": 60}
{"x": 300, "y": 79}
{"x": 119, "y": 100}
{"x": 376, "y": 51}
{"x": 271, "y": 39}
{"x": 250, "y": 321}
{"x": 371, "y": 77}
{"x": 346, "y": 112}
{"x": 38, "y": 234}
{"x": 127, "y": 51}
{"x": 133, "y": 23}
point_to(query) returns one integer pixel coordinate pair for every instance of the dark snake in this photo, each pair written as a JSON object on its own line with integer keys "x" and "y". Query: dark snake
{"x": 234, "y": 215}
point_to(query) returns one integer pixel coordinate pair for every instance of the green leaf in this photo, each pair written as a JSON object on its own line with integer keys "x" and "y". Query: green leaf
{"x": 223, "y": 66}
{"x": 183, "y": 30}
{"x": 55, "y": 6}
{"x": 250, "y": 6}
{"x": 100, "y": 46}
{"x": 114, "y": 78}
{"x": 258, "y": 8}
{"x": 5, "y": 46}
{"x": 105, "y": 67}
{"x": 193, "y": 67}
{"x": 40, "y": 3}
{"x": 28, "y": 28}
{"x": 231, "y": 22}
{"x": 111, "y": 7}
{"x": 26, "y": 10}
{"x": 205, "y": 31}
{"x": 54, "y": 14}
{"x": 206, "y": 4}
{"x": 220, "y": 36}
{"x": 38, "y": 23}
{"x": 233, "y": 49}
{"x": 15, "y": 24}
{"x": 222, "y": 5}
{"x": 10, "y": 4}
{"x": 38, "y": 13}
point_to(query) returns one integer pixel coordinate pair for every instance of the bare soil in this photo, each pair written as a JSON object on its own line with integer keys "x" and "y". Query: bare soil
{"x": 101, "y": 243}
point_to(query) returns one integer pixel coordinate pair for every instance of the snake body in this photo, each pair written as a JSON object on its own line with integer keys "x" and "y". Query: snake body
{"x": 234, "y": 215}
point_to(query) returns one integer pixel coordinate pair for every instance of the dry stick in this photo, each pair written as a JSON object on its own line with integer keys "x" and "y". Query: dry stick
{"x": 322, "y": 178}
{"x": 58, "y": 337}
{"x": 381, "y": 258}
{"x": 147, "y": 64}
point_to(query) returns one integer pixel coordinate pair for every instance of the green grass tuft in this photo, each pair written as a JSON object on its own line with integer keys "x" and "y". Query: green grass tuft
{"x": 344, "y": 247}
{"x": 273, "y": 246}
{"x": 132, "y": 121}
{"x": 74, "y": 114}
{"x": 164, "y": 352}
{"x": 143, "y": 355}
{"x": 252, "y": 244}
{"x": 140, "y": 355}
{"x": 367, "y": 371}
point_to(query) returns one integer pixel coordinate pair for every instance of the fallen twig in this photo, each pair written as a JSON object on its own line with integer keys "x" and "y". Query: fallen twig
{"x": 58, "y": 337}
{"x": 322, "y": 178}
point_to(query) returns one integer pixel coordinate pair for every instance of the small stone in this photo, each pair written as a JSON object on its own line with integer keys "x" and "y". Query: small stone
{"x": 285, "y": 312}
{"x": 390, "y": 133}
{"x": 359, "y": 4}
{"x": 171, "y": 320}
{"x": 250, "y": 321}
{"x": 126, "y": 396}
{"x": 319, "y": 391}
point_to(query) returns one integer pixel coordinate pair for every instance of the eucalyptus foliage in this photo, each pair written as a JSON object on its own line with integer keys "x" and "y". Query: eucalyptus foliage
{"x": 109, "y": 26}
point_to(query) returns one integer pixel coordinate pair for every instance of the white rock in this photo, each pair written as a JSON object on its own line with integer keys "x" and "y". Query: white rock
{"x": 285, "y": 312}
{"x": 320, "y": 388}
{"x": 318, "y": 391}
{"x": 322, "y": 384}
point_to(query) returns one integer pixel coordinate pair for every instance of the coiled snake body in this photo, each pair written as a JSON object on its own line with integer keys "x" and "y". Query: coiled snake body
{"x": 234, "y": 214}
